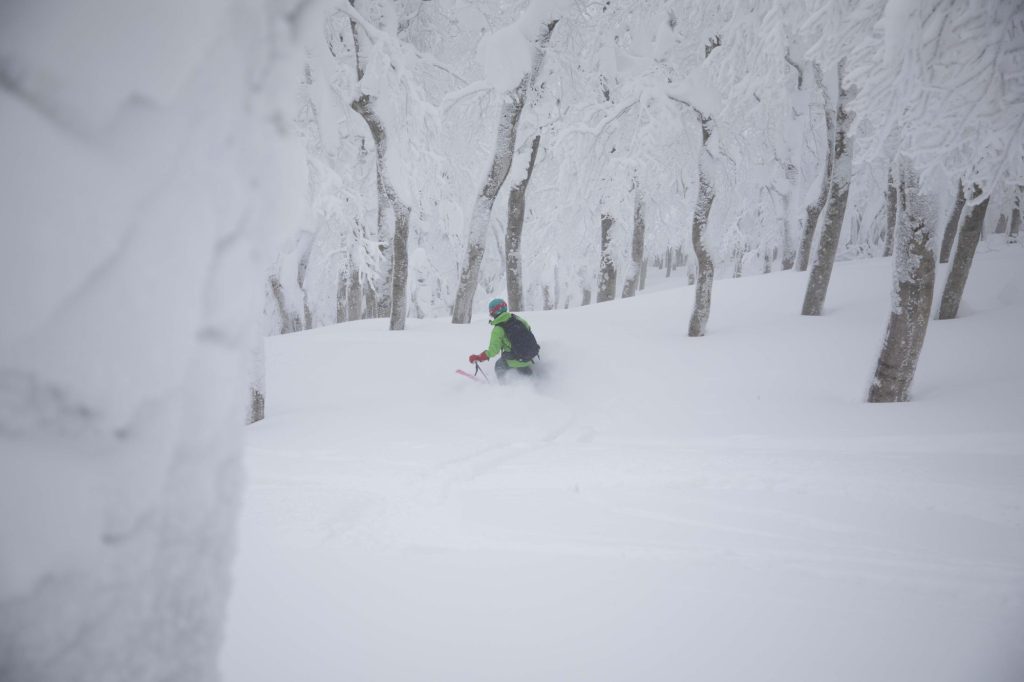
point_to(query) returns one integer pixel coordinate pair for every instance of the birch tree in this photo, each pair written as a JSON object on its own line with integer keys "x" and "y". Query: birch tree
{"x": 891, "y": 212}
{"x": 504, "y": 148}
{"x": 699, "y": 229}
{"x": 913, "y": 286}
{"x": 814, "y": 209}
{"x": 698, "y": 233}
{"x": 606, "y": 281}
{"x": 388, "y": 202}
{"x": 945, "y": 78}
{"x": 634, "y": 277}
{"x": 514, "y": 232}
{"x": 620, "y": 132}
{"x": 1011, "y": 238}
{"x": 949, "y": 234}
{"x": 966, "y": 245}
{"x": 835, "y": 208}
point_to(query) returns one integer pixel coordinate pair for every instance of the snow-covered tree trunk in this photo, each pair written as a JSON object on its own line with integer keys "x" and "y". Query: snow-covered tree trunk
{"x": 835, "y": 208}
{"x": 814, "y": 209}
{"x": 891, "y": 209}
{"x": 290, "y": 321}
{"x": 705, "y": 276}
{"x": 387, "y": 203}
{"x": 307, "y": 314}
{"x": 913, "y": 287}
{"x": 966, "y": 245}
{"x": 504, "y": 148}
{"x": 400, "y": 266}
{"x": 514, "y": 232}
{"x": 705, "y": 263}
{"x": 790, "y": 239}
{"x": 256, "y": 406}
{"x": 354, "y": 309}
{"x": 633, "y": 279}
{"x": 949, "y": 234}
{"x": 396, "y": 256}
{"x": 342, "y": 300}
{"x": 1012, "y": 237}
{"x": 606, "y": 281}
{"x": 257, "y": 381}
{"x": 788, "y": 250}
{"x": 378, "y": 296}
{"x": 350, "y": 296}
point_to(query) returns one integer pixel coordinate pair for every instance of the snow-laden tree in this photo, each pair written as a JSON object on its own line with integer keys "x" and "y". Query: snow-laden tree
{"x": 966, "y": 245}
{"x": 617, "y": 148}
{"x": 514, "y": 57}
{"x": 840, "y": 176}
{"x": 145, "y": 157}
{"x": 949, "y": 233}
{"x": 814, "y": 208}
{"x": 620, "y": 138}
{"x": 385, "y": 79}
{"x": 891, "y": 211}
{"x": 913, "y": 285}
{"x": 633, "y": 280}
{"x": 372, "y": 109}
{"x": 341, "y": 247}
{"x": 1015, "y": 215}
{"x": 514, "y": 230}
{"x": 664, "y": 110}
{"x": 628, "y": 110}
{"x": 939, "y": 92}
{"x": 738, "y": 93}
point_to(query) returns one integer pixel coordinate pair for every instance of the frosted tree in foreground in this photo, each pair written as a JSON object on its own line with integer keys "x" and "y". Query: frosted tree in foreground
{"x": 123, "y": 385}
{"x": 504, "y": 149}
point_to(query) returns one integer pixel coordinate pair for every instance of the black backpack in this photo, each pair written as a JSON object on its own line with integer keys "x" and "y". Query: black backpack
{"x": 524, "y": 343}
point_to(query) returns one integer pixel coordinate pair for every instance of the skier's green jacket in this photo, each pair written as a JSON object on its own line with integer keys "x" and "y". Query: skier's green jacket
{"x": 500, "y": 341}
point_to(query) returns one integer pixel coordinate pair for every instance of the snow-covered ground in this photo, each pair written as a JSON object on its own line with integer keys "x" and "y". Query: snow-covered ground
{"x": 654, "y": 507}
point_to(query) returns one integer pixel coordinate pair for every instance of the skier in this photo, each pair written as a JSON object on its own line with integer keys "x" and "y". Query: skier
{"x": 512, "y": 338}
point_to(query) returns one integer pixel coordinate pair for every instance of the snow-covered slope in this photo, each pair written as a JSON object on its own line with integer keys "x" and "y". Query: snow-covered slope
{"x": 654, "y": 507}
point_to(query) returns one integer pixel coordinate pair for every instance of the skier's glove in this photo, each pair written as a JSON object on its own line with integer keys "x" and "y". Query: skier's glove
{"x": 478, "y": 358}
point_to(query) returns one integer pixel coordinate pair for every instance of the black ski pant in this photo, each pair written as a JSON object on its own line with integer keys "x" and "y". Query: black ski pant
{"x": 502, "y": 366}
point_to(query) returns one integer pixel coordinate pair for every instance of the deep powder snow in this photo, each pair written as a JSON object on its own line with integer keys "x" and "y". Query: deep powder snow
{"x": 653, "y": 507}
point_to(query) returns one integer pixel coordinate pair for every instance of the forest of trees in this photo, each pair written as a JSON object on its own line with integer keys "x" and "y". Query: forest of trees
{"x": 564, "y": 152}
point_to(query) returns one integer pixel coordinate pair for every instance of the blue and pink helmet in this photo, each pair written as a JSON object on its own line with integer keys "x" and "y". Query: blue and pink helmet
{"x": 497, "y": 306}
